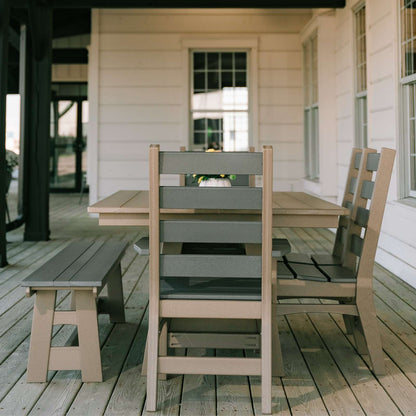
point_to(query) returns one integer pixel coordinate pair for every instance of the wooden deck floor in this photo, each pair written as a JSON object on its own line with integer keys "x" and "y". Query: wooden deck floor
{"x": 324, "y": 374}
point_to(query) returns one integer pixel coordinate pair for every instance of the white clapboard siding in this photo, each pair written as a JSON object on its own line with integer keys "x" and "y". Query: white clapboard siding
{"x": 141, "y": 132}
{"x": 280, "y": 59}
{"x": 160, "y": 113}
{"x": 285, "y": 42}
{"x": 152, "y": 59}
{"x": 280, "y": 77}
{"x": 125, "y": 77}
{"x": 141, "y": 95}
{"x": 281, "y": 114}
{"x": 278, "y": 133}
{"x": 139, "y": 41}
{"x": 281, "y": 96}
{"x": 206, "y": 22}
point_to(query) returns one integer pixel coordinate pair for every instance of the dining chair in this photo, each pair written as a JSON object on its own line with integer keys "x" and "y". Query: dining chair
{"x": 210, "y": 286}
{"x": 351, "y": 283}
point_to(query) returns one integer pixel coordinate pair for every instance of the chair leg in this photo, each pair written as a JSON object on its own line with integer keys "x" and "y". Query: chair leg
{"x": 368, "y": 318}
{"x": 89, "y": 341}
{"x": 277, "y": 358}
{"x": 266, "y": 360}
{"x": 359, "y": 339}
{"x": 152, "y": 364}
{"x": 40, "y": 340}
{"x": 115, "y": 296}
{"x": 163, "y": 346}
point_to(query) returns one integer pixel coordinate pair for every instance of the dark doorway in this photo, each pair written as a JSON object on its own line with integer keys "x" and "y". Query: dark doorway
{"x": 68, "y": 158}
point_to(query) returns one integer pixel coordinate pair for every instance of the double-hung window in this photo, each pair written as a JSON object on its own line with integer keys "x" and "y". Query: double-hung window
{"x": 219, "y": 100}
{"x": 311, "y": 108}
{"x": 360, "y": 78}
{"x": 408, "y": 82}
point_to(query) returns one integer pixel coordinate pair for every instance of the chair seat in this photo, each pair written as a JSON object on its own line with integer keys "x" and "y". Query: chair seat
{"x": 326, "y": 260}
{"x": 339, "y": 274}
{"x": 210, "y": 288}
{"x": 299, "y": 258}
{"x": 307, "y": 272}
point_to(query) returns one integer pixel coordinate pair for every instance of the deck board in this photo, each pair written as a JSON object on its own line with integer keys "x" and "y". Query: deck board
{"x": 324, "y": 373}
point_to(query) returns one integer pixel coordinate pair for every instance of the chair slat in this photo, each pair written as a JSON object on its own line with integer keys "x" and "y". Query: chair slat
{"x": 356, "y": 245}
{"x": 308, "y": 272}
{"x": 210, "y": 266}
{"x": 339, "y": 274}
{"x": 211, "y": 231}
{"x": 373, "y": 160}
{"x": 357, "y": 160}
{"x": 353, "y": 184}
{"x": 211, "y": 163}
{"x": 361, "y": 218}
{"x": 181, "y": 197}
{"x": 212, "y": 288}
{"x": 367, "y": 189}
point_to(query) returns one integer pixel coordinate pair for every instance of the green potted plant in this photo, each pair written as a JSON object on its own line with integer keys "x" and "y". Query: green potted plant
{"x": 12, "y": 160}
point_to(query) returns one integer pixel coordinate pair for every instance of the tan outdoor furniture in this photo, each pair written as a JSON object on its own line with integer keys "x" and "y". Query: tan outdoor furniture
{"x": 290, "y": 209}
{"x": 204, "y": 286}
{"x": 351, "y": 284}
{"x": 83, "y": 267}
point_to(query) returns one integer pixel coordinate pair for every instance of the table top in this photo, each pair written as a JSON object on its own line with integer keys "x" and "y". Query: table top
{"x": 290, "y": 209}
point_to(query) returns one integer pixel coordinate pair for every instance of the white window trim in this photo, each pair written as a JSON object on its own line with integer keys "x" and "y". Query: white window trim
{"x": 247, "y": 44}
{"x": 358, "y": 136}
{"x": 404, "y": 183}
{"x": 325, "y": 25}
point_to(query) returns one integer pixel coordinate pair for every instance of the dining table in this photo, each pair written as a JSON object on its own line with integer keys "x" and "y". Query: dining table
{"x": 290, "y": 209}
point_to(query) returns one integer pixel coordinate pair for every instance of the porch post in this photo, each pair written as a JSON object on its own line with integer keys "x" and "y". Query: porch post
{"x": 4, "y": 51}
{"x": 38, "y": 117}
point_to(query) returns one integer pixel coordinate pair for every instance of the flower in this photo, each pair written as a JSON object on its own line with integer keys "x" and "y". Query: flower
{"x": 199, "y": 178}
{"x": 12, "y": 160}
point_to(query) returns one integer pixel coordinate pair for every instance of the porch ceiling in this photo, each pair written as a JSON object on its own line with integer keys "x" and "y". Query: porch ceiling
{"x": 262, "y": 4}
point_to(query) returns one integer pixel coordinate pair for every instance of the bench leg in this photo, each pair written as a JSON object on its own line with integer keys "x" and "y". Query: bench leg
{"x": 40, "y": 340}
{"x": 115, "y": 296}
{"x": 89, "y": 342}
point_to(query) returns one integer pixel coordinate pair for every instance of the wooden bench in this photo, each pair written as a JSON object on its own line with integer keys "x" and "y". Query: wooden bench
{"x": 83, "y": 267}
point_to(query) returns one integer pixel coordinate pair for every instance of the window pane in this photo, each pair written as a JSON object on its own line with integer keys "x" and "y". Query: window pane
{"x": 241, "y": 61}
{"x": 199, "y": 81}
{"x": 227, "y": 60}
{"x": 199, "y": 60}
{"x": 226, "y": 79}
{"x": 213, "y": 81}
{"x": 240, "y": 79}
{"x": 213, "y": 60}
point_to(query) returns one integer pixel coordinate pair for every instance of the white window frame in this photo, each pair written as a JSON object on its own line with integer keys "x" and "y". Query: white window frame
{"x": 192, "y": 146}
{"x": 232, "y": 43}
{"x": 311, "y": 112}
{"x": 361, "y": 114}
{"x": 408, "y": 134}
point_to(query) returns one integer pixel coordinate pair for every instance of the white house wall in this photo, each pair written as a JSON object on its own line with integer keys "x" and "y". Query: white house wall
{"x": 139, "y": 83}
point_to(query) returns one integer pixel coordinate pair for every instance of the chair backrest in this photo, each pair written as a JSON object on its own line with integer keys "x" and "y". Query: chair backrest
{"x": 347, "y": 202}
{"x": 368, "y": 209}
{"x": 240, "y": 180}
{"x": 176, "y": 200}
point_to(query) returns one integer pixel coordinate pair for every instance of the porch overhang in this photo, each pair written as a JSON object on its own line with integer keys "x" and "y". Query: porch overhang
{"x": 258, "y": 4}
